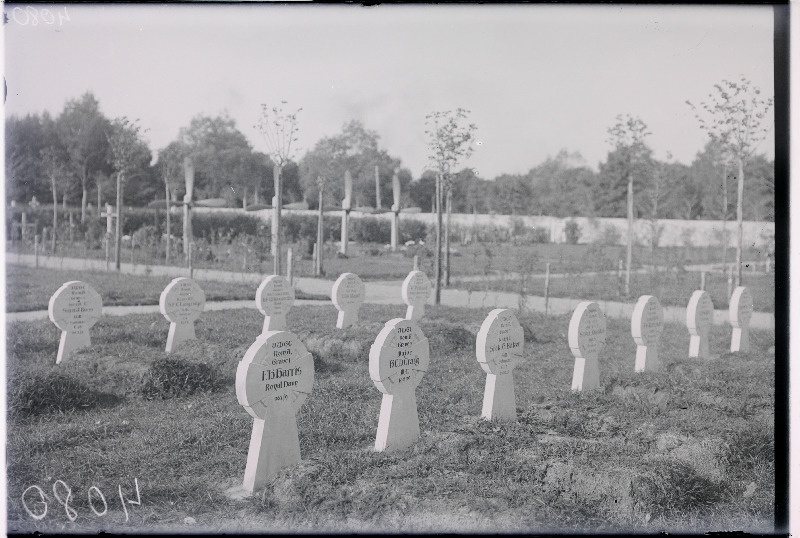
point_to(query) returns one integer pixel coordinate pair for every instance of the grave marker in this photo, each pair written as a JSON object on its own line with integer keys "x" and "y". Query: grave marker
{"x": 398, "y": 359}
{"x": 587, "y": 336}
{"x": 415, "y": 291}
{"x": 273, "y": 379}
{"x": 699, "y": 317}
{"x": 181, "y": 303}
{"x": 647, "y": 323}
{"x": 740, "y": 312}
{"x": 347, "y": 295}
{"x": 74, "y": 308}
{"x": 274, "y": 299}
{"x": 499, "y": 347}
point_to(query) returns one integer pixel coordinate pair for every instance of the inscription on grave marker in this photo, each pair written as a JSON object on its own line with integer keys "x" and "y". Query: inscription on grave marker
{"x": 647, "y": 323}
{"x": 274, "y": 299}
{"x": 181, "y": 302}
{"x": 587, "y": 336}
{"x": 499, "y": 346}
{"x": 347, "y": 295}
{"x": 740, "y": 313}
{"x": 74, "y": 308}
{"x": 415, "y": 291}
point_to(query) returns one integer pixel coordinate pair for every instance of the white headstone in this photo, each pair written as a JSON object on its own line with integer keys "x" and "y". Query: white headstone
{"x": 416, "y": 290}
{"x": 74, "y": 308}
{"x": 499, "y": 347}
{"x": 347, "y": 295}
{"x": 741, "y": 310}
{"x": 587, "y": 336}
{"x": 699, "y": 318}
{"x": 647, "y": 323}
{"x": 181, "y": 302}
{"x": 398, "y": 359}
{"x": 273, "y": 379}
{"x": 274, "y": 299}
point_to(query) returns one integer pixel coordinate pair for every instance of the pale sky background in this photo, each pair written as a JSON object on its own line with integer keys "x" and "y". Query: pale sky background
{"x": 536, "y": 78}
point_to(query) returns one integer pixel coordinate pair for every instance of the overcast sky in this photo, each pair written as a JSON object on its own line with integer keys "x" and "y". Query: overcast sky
{"x": 536, "y": 78}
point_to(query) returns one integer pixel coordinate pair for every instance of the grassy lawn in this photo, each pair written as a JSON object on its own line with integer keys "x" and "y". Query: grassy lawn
{"x": 687, "y": 449}
{"x": 29, "y": 288}
{"x": 671, "y": 288}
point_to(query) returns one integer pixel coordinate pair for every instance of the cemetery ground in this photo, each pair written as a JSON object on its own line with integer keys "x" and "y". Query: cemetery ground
{"x": 149, "y": 442}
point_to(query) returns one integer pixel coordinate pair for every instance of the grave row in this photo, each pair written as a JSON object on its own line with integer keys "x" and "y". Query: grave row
{"x": 276, "y": 374}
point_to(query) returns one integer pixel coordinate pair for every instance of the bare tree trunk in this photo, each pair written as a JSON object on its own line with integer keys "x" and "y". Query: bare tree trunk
{"x": 377, "y": 188}
{"x": 438, "y": 253}
{"x": 84, "y": 199}
{"x": 629, "y": 255}
{"x": 320, "y": 238}
{"x": 55, "y": 211}
{"x": 724, "y": 215}
{"x": 276, "y": 221}
{"x": 118, "y": 233}
{"x": 99, "y": 196}
{"x": 169, "y": 225}
{"x": 739, "y": 229}
{"x": 449, "y": 208}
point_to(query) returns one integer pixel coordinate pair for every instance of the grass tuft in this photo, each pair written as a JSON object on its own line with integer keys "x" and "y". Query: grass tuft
{"x": 173, "y": 378}
{"x": 54, "y": 392}
{"x": 672, "y": 488}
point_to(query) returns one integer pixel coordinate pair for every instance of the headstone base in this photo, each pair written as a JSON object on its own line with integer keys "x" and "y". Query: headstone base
{"x": 647, "y": 359}
{"x": 179, "y": 333}
{"x": 70, "y": 342}
{"x": 698, "y": 347}
{"x": 499, "y": 402}
{"x": 740, "y": 339}
{"x": 398, "y": 425}
{"x": 274, "y": 444}
{"x": 415, "y": 313}
{"x": 586, "y": 375}
{"x": 346, "y": 319}
{"x": 274, "y": 323}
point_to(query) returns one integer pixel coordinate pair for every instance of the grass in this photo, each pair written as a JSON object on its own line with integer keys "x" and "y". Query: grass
{"x": 688, "y": 448}
{"x": 29, "y": 288}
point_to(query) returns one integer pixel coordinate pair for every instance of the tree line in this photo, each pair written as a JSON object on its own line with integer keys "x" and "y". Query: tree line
{"x": 70, "y": 158}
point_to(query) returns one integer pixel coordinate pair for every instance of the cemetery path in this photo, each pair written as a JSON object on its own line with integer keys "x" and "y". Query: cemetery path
{"x": 386, "y": 292}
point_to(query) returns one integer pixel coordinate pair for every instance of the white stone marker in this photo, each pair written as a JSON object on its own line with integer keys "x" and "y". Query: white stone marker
{"x": 74, "y": 308}
{"x": 273, "y": 380}
{"x": 587, "y": 336}
{"x": 647, "y": 323}
{"x": 398, "y": 359}
{"x": 181, "y": 302}
{"x": 699, "y": 317}
{"x": 274, "y": 299}
{"x": 741, "y": 310}
{"x": 347, "y": 295}
{"x": 499, "y": 349}
{"x": 416, "y": 290}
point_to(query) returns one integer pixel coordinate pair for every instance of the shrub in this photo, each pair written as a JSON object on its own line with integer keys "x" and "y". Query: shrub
{"x": 172, "y": 378}
{"x": 371, "y": 230}
{"x": 573, "y": 232}
{"x": 610, "y": 236}
{"x": 412, "y": 230}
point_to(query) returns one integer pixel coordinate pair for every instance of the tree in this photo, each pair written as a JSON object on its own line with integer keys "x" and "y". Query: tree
{"x": 129, "y": 156}
{"x": 630, "y": 155}
{"x": 84, "y": 131}
{"x": 279, "y": 130}
{"x": 734, "y": 117}
{"x": 55, "y": 165}
{"x": 449, "y": 143}
{"x": 25, "y": 140}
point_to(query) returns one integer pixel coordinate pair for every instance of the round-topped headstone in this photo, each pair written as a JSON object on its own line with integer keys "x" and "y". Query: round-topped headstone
{"x": 347, "y": 295}
{"x": 397, "y": 362}
{"x": 74, "y": 308}
{"x": 499, "y": 346}
{"x": 181, "y": 302}
{"x": 415, "y": 292}
{"x": 647, "y": 324}
{"x": 740, "y": 313}
{"x": 274, "y": 299}
{"x": 586, "y": 336}
{"x": 277, "y": 371}
{"x": 699, "y": 318}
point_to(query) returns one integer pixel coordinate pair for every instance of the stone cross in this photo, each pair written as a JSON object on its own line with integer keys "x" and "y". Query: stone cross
{"x": 347, "y": 295}
{"x": 415, "y": 291}
{"x": 74, "y": 308}
{"x": 181, "y": 302}
{"x": 699, "y": 318}
{"x": 273, "y": 379}
{"x": 274, "y": 299}
{"x": 346, "y": 206}
{"x": 398, "y": 359}
{"x": 587, "y": 336}
{"x": 110, "y": 215}
{"x": 740, "y": 312}
{"x": 499, "y": 347}
{"x": 647, "y": 323}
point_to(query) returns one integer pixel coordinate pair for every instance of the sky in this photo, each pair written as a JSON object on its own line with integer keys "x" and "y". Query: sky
{"x": 536, "y": 78}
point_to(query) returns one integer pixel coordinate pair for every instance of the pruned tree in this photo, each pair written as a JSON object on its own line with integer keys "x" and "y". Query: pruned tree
{"x": 450, "y": 135}
{"x": 279, "y": 129}
{"x": 129, "y": 156}
{"x": 55, "y": 165}
{"x": 627, "y": 138}
{"x": 734, "y": 117}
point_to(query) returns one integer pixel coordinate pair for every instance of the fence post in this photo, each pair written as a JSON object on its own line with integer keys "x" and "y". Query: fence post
{"x": 703, "y": 280}
{"x": 619, "y": 278}
{"x": 289, "y": 267}
{"x": 314, "y": 254}
{"x": 36, "y": 249}
{"x": 546, "y": 288}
